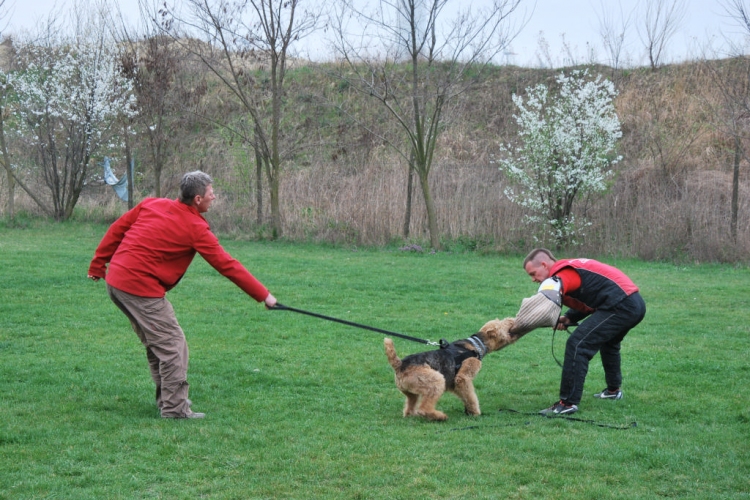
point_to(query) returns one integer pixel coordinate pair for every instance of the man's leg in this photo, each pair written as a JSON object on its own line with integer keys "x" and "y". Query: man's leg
{"x": 582, "y": 345}
{"x": 632, "y": 310}
{"x": 166, "y": 348}
{"x": 610, "y": 354}
{"x": 153, "y": 361}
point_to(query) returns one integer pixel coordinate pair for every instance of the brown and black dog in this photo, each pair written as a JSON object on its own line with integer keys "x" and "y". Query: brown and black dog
{"x": 425, "y": 376}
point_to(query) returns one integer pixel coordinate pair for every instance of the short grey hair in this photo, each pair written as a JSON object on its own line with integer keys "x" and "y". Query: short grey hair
{"x": 194, "y": 184}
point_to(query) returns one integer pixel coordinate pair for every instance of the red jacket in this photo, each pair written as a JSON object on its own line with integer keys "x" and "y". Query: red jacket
{"x": 151, "y": 246}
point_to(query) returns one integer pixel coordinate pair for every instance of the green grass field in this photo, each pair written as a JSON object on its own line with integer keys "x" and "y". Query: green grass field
{"x": 302, "y": 408}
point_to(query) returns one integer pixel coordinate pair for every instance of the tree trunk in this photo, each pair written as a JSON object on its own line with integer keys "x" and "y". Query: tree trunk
{"x": 129, "y": 168}
{"x": 75, "y": 187}
{"x": 8, "y": 170}
{"x": 131, "y": 183}
{"x": 275, "y": 211}
{"x": 11, "y": 197}
{"x": 277, "y": 76}
{"x": 157, "y": 181}
{"x": 430, "y": 205}
{"x": 735, "y": 186}
{"x": 409, "y": 189}
{"x": 259, "y": 184}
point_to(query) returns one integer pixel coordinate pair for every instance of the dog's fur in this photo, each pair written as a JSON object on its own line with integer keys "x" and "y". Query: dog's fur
{"x": 425, "y": 376}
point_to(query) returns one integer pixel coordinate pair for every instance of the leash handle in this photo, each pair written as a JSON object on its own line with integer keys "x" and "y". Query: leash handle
{"x": 282, "y": 307}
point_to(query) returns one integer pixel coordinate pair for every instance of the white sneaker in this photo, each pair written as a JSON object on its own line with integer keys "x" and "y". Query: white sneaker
{"x": 605, "y": 394}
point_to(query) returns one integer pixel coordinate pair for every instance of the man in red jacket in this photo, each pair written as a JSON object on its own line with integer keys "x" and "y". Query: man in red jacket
{"x": 148, "y": 250}
{"x": 611, "y": 305}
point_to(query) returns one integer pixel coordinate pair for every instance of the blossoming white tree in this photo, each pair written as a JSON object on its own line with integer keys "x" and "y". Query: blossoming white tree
{"x": 69, "y": 93}
{"x": 566, "y": 148}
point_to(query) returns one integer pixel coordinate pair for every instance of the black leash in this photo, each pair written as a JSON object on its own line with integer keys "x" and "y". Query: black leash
{"x": 575, "y": 419}
{"x": 554, "y": 330}
{"x": 473, "y": 427}
{"x": 282, "y": 307}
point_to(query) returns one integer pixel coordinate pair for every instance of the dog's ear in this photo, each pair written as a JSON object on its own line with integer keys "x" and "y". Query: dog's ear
{"x": 490, "y": 326}
{"x": 497, "y": 326}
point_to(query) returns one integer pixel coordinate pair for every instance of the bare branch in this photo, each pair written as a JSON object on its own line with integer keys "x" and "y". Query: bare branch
{"x": 660, "y": 22}
{"x": 739, "y": 12}
{"x": 613, "y": 31}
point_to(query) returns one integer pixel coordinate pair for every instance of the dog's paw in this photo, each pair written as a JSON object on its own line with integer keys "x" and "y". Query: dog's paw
{"x": 435, "y": 415}
{"x": 472, "y": 413}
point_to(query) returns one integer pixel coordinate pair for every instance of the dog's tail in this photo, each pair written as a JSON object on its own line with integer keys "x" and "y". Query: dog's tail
{"x": 390, "y": 352}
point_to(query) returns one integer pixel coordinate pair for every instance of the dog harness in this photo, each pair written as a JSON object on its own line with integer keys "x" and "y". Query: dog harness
{"x": 460, "y": 353}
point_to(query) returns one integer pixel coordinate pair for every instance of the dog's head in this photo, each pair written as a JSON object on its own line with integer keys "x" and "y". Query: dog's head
{"x": 496, "y": 333}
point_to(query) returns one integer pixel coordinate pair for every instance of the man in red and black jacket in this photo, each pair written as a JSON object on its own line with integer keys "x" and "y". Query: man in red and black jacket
{"x": 611, "y": 305}
{"x": 143, "y": 255}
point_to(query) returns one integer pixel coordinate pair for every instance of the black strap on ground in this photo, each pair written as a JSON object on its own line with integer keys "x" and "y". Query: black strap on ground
{"x": 281, "y": 307}
{"x": 592, "y": 422}
{"x": 474, "y": 427}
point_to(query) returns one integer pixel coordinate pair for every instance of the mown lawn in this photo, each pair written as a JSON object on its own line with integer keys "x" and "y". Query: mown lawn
{"x": 302, "y": 408}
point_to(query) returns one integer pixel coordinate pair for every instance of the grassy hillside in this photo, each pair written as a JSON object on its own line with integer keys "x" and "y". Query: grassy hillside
{"x": 670, "y": 197}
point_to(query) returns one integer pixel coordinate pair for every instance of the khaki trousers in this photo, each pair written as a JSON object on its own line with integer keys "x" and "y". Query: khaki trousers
{"x": 154, "y": 322}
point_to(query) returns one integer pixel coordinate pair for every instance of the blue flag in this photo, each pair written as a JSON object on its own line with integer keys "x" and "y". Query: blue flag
{"x": 121, "y": 186}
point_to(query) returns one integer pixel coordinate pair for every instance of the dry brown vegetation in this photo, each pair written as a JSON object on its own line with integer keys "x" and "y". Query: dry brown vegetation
{"x": 670, "y": 198}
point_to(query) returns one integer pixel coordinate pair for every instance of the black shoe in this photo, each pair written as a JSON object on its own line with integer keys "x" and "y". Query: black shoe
{"x": 606, "y": 394}
{"x": 559, "y": 408}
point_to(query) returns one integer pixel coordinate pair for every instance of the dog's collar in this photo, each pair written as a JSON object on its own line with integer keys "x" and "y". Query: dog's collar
{"x": 478, "y": 345}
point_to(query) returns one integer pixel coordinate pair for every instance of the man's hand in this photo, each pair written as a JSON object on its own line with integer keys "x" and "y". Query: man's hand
{"x": 563, "y": 322}
{"x": 270, "y": 301}
{"x": 92, "y": 277}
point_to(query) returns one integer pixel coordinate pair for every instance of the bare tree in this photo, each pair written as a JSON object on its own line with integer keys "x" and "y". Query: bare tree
{"x": 153, "y": 62}
{"x": 738, "y": 12}
{"x": 731, "y": 78}
{"x": 661, "y": 20}
{"x": 415, "y": 63}
{"x": 612, "y": 28}
{"x": 238, "y": 38}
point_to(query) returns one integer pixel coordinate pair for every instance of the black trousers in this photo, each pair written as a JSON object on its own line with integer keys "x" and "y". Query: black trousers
{"x": 600, "y": 332}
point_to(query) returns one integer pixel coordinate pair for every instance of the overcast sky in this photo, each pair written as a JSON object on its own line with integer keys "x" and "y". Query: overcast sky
{"x": 560, "y": 22}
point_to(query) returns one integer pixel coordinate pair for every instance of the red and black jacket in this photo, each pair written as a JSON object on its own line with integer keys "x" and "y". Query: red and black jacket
{"x": 601, "y": 286}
